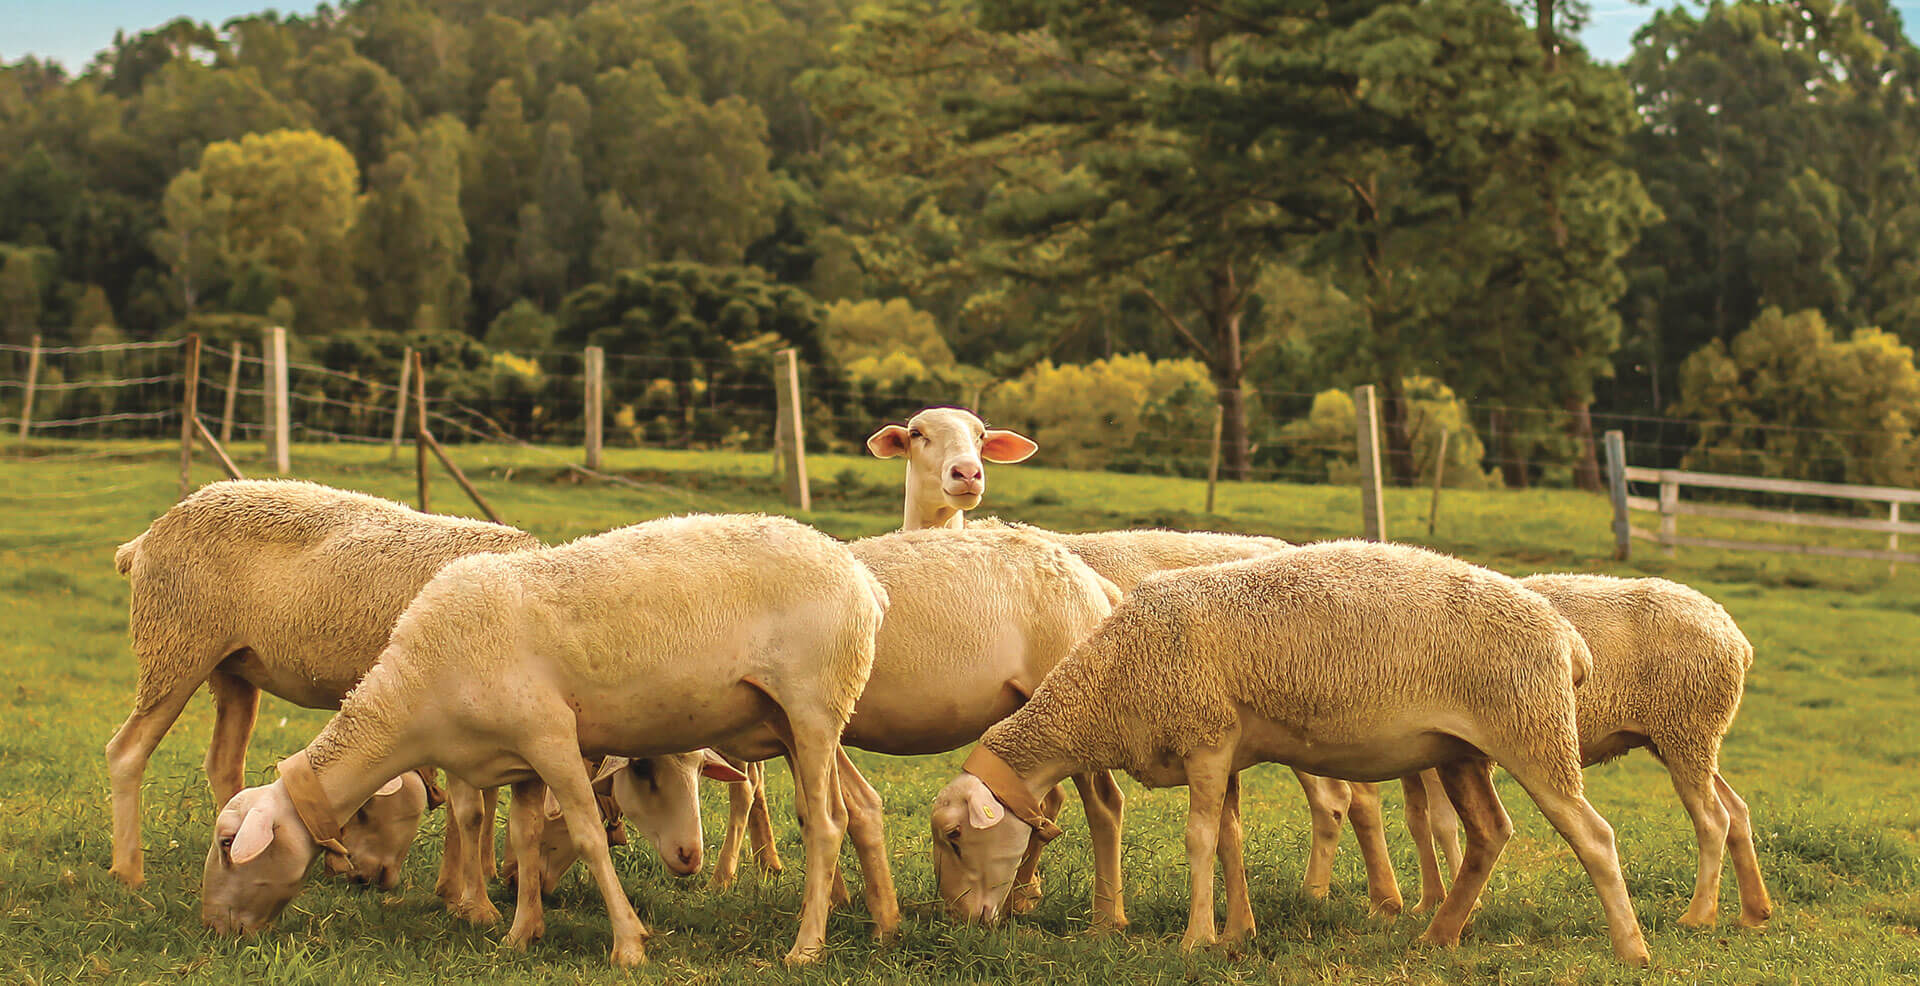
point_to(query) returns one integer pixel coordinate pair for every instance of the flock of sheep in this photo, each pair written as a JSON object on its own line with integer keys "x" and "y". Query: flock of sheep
{"x": 582, "y": 675}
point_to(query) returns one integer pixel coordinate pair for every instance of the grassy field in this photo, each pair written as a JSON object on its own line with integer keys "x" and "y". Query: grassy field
{"x": 1827, "y": 751}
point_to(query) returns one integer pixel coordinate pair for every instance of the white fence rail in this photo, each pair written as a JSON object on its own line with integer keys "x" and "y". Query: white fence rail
{"x": 1671, "y": 508}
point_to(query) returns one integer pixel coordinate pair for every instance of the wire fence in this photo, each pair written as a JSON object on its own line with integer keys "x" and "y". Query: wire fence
{"x": 66, "y": 396}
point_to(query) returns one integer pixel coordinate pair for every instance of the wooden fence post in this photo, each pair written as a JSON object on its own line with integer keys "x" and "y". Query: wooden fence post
{"x": 420, "y": 431}
{"x": 1213, "y": 461}
{"x": 233, "y": 390}
{"x": 189, "y": 411}
{"x": 400, "y": 403}
{"x": 33, "y": 381}
{"x": 1669, "y": 514}
{"x": 1616, "y": 442}
{"x": 219, "y": 453}
{"x": 1373, "y": 505}
{"x": 788, "y": 434}
{"x": 596, "y": 399}
{"x": 1893, "y": 537}
{"x": 279, "y": 427}
{"x": 1439, "y": 471}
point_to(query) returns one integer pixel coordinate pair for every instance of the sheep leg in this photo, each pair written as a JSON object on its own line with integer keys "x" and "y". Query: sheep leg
{"x": 1026, "y": 880}
{"x": 823, "y": 824}
{"x": 866, "y": 827}
{"x": 465, "y": 883}
{"x": 1469, "y": 783}
{"x": 1233, "y": 865}
{"x": 1693, "y": 782}
{"x": 566, "y": 776}
{"x": 1327, "y": 803}
{"x": 739, "y": 804}
{"x": 1419, "y": 826}
{"x": 1755, "y": 906}
{"x": 489, "y": 803}
{"x": 236, "y": 705}
{"x": 1370, "y": 831}
{"x": 1208, "y": 774}
{"x": 1558, "y": 795}
{"x": 760, "y": 821}
{"x": 526, "y": 819}
{"x": 1105, "y": 807}
{"x": 1445, "y": 820}
{"x": 127, "y": 755}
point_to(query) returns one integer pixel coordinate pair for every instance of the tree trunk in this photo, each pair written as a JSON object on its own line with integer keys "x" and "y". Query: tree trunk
{"x": 1586, "y": 460}
{"x": 1228, "y": 367}
{"x": 1513, "y": 463}
{"x": 1399, "y": 431}
{"x": 1543, "y": 30}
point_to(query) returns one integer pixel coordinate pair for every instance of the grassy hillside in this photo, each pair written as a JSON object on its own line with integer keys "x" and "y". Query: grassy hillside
{"x": 1825, "y": 750}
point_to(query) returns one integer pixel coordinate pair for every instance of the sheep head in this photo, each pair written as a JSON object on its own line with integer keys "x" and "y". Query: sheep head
{"x": 258, "y": 862}
{"x": 944, "y": 448}
{"x": 378, "y": 835}
{"x": 977, "y": 845}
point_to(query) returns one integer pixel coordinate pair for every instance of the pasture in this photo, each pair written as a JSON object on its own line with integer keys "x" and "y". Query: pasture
{"x": 1826, "y": 750}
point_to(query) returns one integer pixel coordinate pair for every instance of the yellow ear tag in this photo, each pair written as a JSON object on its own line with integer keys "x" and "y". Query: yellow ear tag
{"x": 992, "y": 813}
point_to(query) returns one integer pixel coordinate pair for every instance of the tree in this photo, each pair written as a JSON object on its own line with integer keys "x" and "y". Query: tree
{"x": 284, "y": 203}
{"x": 1788, "y": 399}
{"x": 21, "y": 292}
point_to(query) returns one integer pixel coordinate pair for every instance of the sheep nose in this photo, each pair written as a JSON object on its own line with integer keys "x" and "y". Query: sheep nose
{"x": 689, "y": 859}
{"x": 967, "y": 474}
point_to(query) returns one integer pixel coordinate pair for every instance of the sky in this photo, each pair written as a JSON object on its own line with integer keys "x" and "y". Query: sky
{"x": 70, "y": 31}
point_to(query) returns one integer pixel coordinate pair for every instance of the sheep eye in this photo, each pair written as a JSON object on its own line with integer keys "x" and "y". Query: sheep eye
{"x": 915, "y": 433}
{"x": 226, "y": 843}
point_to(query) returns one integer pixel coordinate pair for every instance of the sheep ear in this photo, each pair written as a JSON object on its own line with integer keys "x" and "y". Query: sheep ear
{"x": 713, "y": 768}
{"x": 255, "y": 835}
{"x": 983, "y": 810}
{"x": 609, "y": 767}
{"x": 390, "y": 787}
{"x": 889, "y": 442}
{"x": 1002, "y": 445}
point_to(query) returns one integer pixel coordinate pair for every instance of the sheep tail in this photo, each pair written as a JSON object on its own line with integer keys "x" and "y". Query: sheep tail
{"x": 124, "y": 555}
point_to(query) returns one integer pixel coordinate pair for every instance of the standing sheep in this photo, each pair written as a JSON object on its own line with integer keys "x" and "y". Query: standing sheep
{"x": 750, "y": 631}
{"x": 1348, "y": 659}
{"x": 975, "y": 620}
{"x": 279, "y": 585}
{"x": 1669, "y": 667}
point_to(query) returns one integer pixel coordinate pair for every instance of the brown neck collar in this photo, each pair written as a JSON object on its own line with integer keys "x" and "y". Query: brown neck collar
{"x": 1010, "y": 790}
{"x": 310, "y": 802}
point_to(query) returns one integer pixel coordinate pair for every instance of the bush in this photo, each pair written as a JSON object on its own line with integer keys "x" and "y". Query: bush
{"x": 1128, "y": 413}
{"x": 1322, "y": 443}
{"x": 1787, "y": 399}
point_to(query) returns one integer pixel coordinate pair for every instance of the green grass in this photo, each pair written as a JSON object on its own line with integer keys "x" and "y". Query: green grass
{"x": 1827, "y": 750}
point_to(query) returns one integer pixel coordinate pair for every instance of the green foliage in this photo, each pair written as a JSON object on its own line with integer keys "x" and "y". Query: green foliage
{"x": 1129, "y": 413}
{"x": 524, "y": 328}
{"x": 1323, "y": 444}
{"x": 1786, "y": 398}
{"x": 875, "y": 330}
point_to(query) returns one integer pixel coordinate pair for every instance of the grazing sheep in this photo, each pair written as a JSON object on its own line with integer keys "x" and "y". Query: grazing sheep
{"x": 944, "y": 447}
{"x": 975, "y": 620}
{"x": 279, "y": 585}
{"x": 1669, "y": 667}
{"x": 1349, "y": 659}
{"x": 747, "y": 632}
{"x": 1127, "y": 557}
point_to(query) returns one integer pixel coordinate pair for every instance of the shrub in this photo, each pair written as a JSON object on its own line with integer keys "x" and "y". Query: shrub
{"x": 1128, "y": 413}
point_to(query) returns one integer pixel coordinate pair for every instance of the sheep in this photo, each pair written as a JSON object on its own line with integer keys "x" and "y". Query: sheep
{"x": 1347, "y": 659}
{"x": 944, "y": 447}
{"x": 748, "y": 633}
{"x": 279, "y": 585}
{"x": 1669, "y": 668}
{"x": 1126, "y": 558}
{"x": 976, "y": 619}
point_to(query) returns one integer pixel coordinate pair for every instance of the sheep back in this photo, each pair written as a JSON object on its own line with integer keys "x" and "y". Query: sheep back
{"x": 1126, "y": 557}
{"x": 1328, "y": 639}
{"x": 308, "y": 577}
{"x": 1669, "y": 662}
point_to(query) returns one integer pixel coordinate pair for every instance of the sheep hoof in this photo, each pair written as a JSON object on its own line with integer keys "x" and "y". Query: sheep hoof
{"x": 1440, "y": 938}
{"x": 520, "y": 937}
{"x": 807, "y": 955}
{"x": 1425, "y": 906}
{"x": 1703, "y": 921}
{"x": 721, "y": 879}
{"x": 628, "y": 954}
{"x": 1109, "y": 924}
{"x": 1385, "y": 911}
{"x": 1755, "y": 921}
{"x": 132, "y": 876}
{"x": 1024, "y": 899}
{"x": 1195, "y": 940}
{"x": 483, "y": 914}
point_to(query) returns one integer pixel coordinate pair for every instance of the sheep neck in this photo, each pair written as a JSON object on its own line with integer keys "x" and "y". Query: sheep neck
{"x": 918, "y": 516}
{"x": 364, "y": 745}
{"x": 1037, "y": 741}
